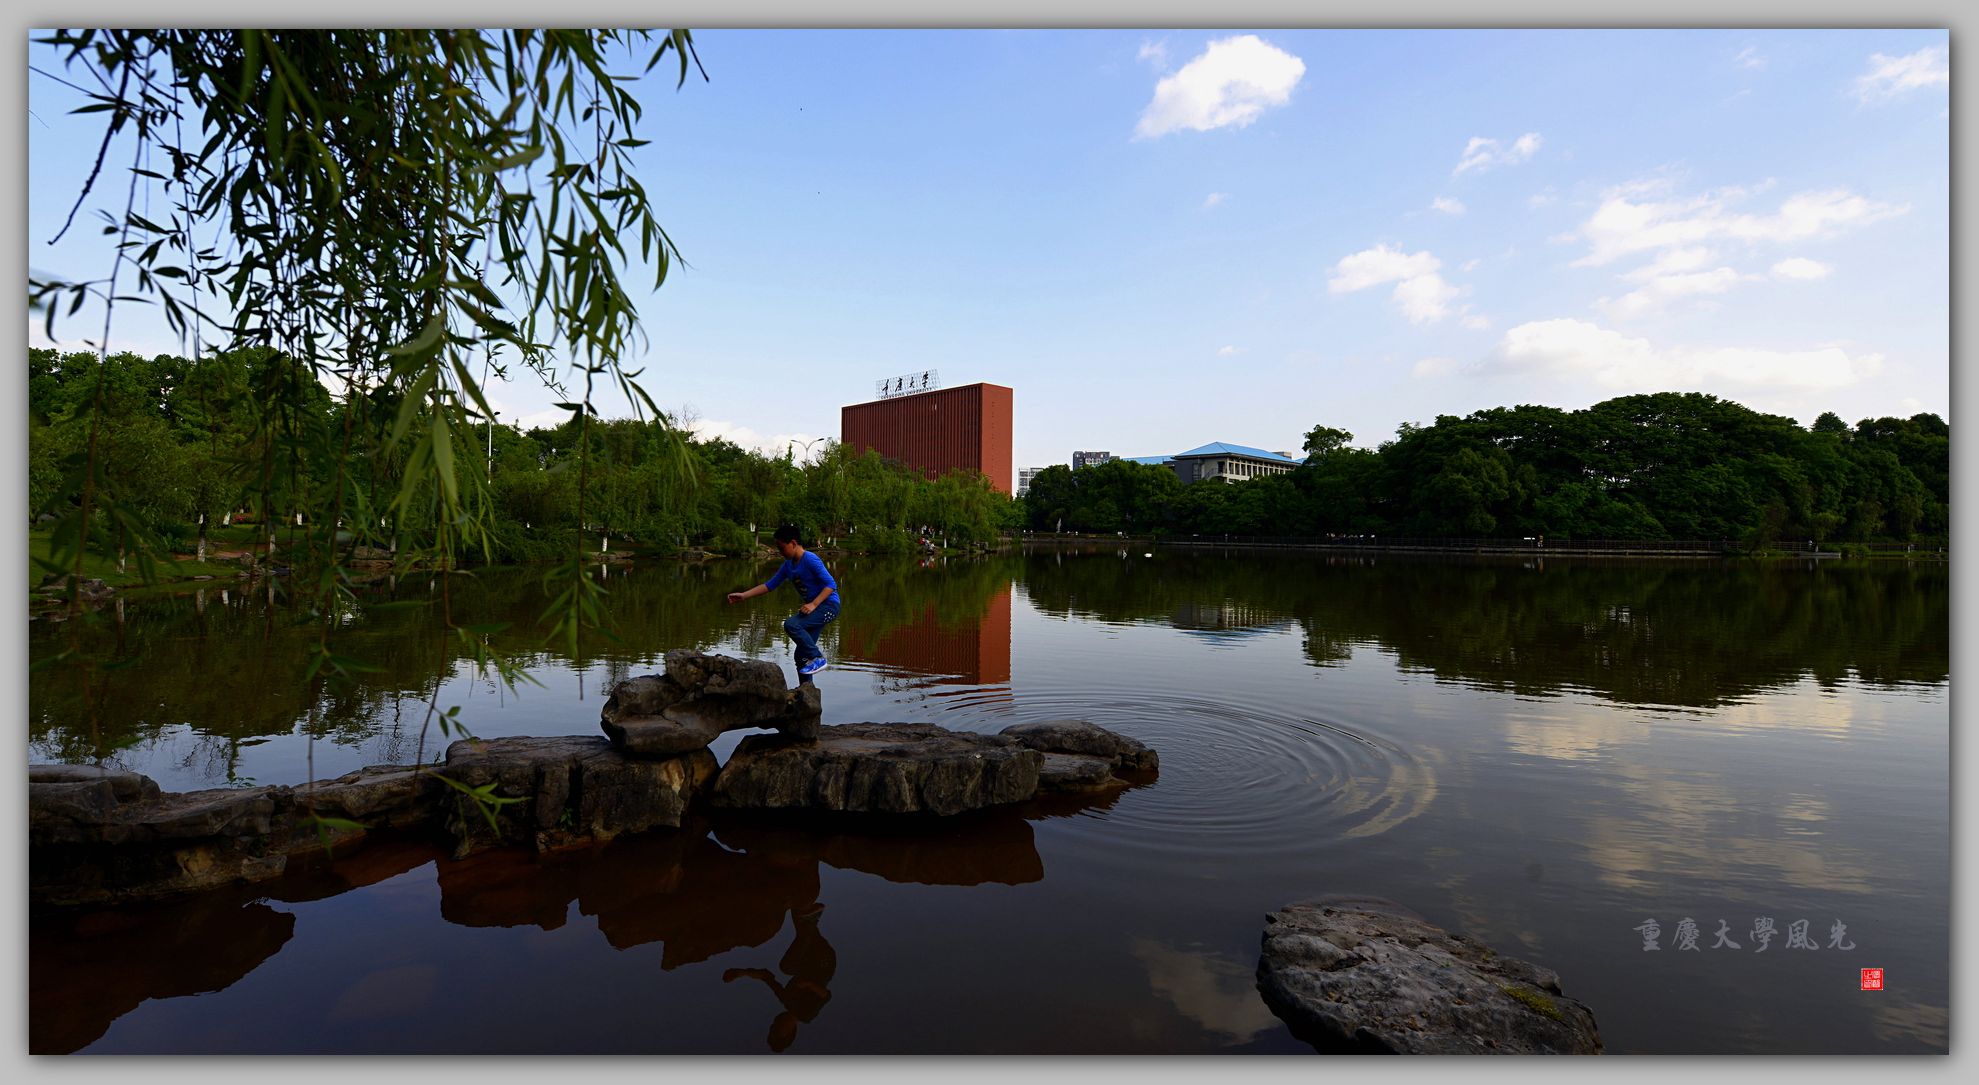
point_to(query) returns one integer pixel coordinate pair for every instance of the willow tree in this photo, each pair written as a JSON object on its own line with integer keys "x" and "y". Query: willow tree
{"x": 398, "y": 216}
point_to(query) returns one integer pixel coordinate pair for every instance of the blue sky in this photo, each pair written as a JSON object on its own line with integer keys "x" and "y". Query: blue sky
{"x": 1162, "y": 239}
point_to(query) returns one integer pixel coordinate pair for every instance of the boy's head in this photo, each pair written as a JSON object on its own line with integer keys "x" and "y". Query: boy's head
{"x": 788, "y": 543}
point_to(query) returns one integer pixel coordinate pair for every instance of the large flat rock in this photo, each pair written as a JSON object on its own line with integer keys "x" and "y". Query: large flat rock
{"x": 1087, "y": 739}
{"x": 892, "y": 768}
{"x": 1367, "y": 976}
{"x": 701, "y": 696}
{"x": 566, "y": 790}
{"x": 1081, "y": 756}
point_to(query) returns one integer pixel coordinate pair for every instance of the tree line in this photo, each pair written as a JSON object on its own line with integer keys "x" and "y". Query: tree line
{"x": 236, "y": 436}
{"x": 183, "y": 444}
{"x": 1661, "y": 466}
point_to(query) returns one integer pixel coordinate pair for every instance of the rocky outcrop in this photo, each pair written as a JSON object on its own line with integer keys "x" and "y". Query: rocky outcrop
{"x": 110, "y": 838}
{"x": 890, "y": 768}
{"x": 1368, "y": 976}
{"x": 700, "y": 697}
{"x": 100, "y": 836}
{"x": 556, "y": 792}
{"x": 1081, "y": 756}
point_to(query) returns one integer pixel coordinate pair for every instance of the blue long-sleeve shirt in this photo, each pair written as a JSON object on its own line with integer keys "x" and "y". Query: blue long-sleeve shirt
{"x": 809, "y": 574}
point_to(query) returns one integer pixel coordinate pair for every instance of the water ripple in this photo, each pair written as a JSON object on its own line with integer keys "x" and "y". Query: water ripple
{"x": 1239, "y": 778}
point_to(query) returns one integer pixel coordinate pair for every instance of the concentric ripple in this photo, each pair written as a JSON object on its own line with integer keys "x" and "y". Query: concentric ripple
{"x": 1239, "y": 778}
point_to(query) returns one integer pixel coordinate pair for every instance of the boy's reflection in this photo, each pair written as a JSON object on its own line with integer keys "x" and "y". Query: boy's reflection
{"x": 701, "y": 891}
{"x": 809, "y": 962}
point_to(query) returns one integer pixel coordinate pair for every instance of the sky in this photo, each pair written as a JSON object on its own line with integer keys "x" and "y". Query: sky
{"x": 1164, "y": 239}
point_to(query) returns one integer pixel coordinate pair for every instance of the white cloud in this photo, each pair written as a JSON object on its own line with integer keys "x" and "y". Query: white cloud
{"x": 1890, "y": 77}
{"x": 1470, "y": 265}
{"x": 1447, "y": 205}
{"x": 1674, "y": 274}
{"x": 1542, "y": 198}
{"x": 1567, "y": 348}
{"x": 1421, "y": 292}
{"x": 1233, "y": 82}
{"x": 707, "y": 429}
{"x": 1625, "y": 225}
{"x": 548, "y": 418}
{"x": 1800, "y": 267}
{"x": 1672, "y": 262}
{"x": 1425, "y": 299}
{"x": 1229, "y": 352}
{"x": 1433, "y": 367}
{"x": 1477, "y": 323}
{"x": 1156, "y": 53}
{"x": 1482, "y": 153}
{"x": 1215, "y": 198}
{"x": 1750, "y": 57}
{"x": 1381, "y": 264}
{"x": 1658, "y": 291}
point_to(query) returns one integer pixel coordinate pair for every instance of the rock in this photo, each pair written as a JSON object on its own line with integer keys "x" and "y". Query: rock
{"x": 1080, "y": 737}
{"x": 699, "y": 698}
{"x": 79, "y": 804}
{"x": 65, "y": 875}
{"x": 565, "y": 791}
{"x": 126, "y": 786}
{"x": 1076, "y": 772}
{"x": 804, "y": 713}
{"x": 1081, "y": 756}
{"x": 219, "y": 812}
{"x": 1367, "y": 976}
{"x": 397, "y": 797}
{"x": 895, "y": 768}
{"x": 105, "y": 837}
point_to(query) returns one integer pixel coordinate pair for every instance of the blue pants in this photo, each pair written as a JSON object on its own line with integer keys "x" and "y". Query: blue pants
{"x": 804, "y": 629}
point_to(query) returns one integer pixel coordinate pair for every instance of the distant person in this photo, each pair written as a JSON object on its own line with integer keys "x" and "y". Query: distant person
{"x": 806, "y": 571}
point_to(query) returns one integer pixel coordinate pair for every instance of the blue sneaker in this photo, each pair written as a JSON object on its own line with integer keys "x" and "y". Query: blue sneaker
{"x": 812, "y": 666}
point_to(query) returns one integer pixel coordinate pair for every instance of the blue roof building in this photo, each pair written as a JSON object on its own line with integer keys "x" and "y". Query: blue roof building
{"x": 1225, "y": 462}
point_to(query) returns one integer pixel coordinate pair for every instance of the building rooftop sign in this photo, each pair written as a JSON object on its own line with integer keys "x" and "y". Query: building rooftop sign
{"x": 927, "y": 380}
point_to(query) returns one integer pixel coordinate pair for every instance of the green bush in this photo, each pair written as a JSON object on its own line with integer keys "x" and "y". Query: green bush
{"x": 874, "y": 539}
{"x": 732, "y": 539}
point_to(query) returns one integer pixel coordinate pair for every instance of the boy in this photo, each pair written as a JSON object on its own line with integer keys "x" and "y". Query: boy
{"x": 814, "y": 585}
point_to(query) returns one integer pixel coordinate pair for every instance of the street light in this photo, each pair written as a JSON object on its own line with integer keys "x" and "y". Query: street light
{"x": 807, "y": 446}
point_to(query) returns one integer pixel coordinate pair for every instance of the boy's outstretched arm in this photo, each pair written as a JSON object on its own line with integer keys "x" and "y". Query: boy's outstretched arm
{"x": 738, "y": 596}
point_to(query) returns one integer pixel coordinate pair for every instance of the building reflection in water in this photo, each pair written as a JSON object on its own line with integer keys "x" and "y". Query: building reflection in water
{"x": 949, "y": 648}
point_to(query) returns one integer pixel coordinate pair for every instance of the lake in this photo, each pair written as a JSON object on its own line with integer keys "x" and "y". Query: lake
{"x": 1547, "y": 754}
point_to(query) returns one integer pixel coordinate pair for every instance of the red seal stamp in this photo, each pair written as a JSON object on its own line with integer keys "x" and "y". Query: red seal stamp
{"x": 1872, "y": 979}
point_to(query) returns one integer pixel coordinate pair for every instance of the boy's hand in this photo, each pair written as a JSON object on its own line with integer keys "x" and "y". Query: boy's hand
{"x": 808, "y": 607}
{"x": 735, "y": 597}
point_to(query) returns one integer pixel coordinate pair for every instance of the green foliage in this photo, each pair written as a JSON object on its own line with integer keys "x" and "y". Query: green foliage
{"x": 1118, "y": 495}
{"x": 394, "y": 208}
{"x": 1664, "y": 466}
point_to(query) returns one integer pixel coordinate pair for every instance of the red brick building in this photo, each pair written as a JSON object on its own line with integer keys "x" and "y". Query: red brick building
{"x": 948, "y": 430}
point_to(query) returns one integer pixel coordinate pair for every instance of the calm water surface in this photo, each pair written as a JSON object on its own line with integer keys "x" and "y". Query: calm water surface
{"x": 1544, "y": 754}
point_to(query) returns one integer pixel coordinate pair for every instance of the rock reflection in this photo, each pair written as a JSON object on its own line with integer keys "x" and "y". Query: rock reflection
{"x": 716, "y": 887}
{"x": 85, "y": 972}
{"x": 87, "y": 969}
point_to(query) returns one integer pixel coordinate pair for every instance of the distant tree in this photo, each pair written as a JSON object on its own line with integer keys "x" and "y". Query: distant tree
{"x": 1322, "y": 440}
